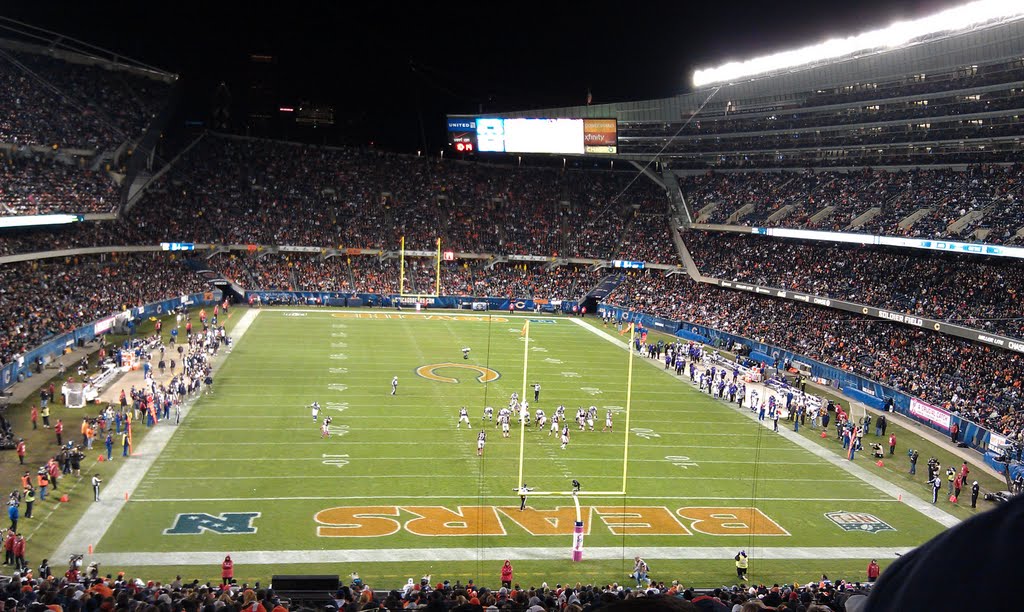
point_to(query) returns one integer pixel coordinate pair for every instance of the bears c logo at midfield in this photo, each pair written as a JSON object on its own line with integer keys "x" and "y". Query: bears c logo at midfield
{"x": 484, "y": 375}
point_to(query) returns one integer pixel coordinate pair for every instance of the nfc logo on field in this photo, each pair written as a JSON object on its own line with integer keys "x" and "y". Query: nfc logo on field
{"x": 228, "y": 523}
{"x": 858, "y": 521}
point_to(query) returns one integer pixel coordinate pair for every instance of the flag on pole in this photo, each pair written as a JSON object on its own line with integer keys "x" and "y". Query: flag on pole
{"x": 627, "y": 329}
{"x": 590, "y": 97}
{"x": 526, "y": 327}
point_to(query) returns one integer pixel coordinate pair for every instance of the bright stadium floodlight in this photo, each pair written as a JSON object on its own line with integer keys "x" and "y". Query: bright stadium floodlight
{"x": 899, "y": 33}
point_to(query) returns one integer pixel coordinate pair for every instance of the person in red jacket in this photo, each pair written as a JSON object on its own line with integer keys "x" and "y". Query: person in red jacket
{"x": 506, "y": 574}
{"x": 873, "y": 571}
{"x": 9, "y": 547}
{"x": 227, "y": 570}
{"x": 59, "y": 430}
{"x": 21, "y": 451}
{"x": 19, "y": 553}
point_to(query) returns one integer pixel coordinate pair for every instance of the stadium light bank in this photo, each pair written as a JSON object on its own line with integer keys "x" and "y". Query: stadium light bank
{"x": 900, "y": 33}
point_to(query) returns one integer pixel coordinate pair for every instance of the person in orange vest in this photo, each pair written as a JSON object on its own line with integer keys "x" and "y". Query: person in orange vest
{"x": 85, "y": 429}
{"x": 21, "y": 451}
{"x": 26, "y": 480}
{"x": 90, "y": 433}
{"x": 43, "y": 480}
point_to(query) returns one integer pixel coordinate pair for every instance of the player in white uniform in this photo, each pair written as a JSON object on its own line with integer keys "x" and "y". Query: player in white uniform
{"x": 481, "y": 439}
{"x": 607, "y": 421}
{"x": 325, "y": 429}
{"x": 394, "y": 385}
{"x": 502, "y": 414}
{"x": 488, "y": 414}
{"x": 554, "y": 424}
{"x": 565, "y": 436}
{"x": 754, "y": 404}
{"x": 465, "y": 352}
{"x": 524, "y": 412}
{"x": 542, "y": 419}
{"x": 504, "y": 425}
{"x": 463, "y": 418}
{"x": 581, "y": 416}
{"x": 591, "y": 417}
{"x": 315, "y": 408}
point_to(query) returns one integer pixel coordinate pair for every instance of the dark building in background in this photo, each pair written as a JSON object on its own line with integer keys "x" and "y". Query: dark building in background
{"x": 262, "y": 96}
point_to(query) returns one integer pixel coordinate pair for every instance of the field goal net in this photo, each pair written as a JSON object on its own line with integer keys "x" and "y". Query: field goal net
{"x": 409, "y": 283}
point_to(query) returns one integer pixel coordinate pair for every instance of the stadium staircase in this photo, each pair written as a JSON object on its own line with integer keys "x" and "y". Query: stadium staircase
{"x": 680, "y": 207}
{"x": 605, "y": 286}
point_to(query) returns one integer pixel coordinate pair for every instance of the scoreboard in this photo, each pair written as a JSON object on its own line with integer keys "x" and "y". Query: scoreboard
{"x": 526, "y": 135}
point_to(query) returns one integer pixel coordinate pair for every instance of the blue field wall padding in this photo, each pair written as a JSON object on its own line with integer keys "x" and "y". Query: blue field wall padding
{"x": 375, "y": 300}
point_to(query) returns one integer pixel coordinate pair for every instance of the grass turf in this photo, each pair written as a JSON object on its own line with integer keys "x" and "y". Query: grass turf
{"x": 252, "y": 447}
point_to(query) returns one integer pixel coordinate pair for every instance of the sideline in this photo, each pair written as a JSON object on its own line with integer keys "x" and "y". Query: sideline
{"x": 967, "y": 454}
{"x": 279, "y": 557}
{"x": 924, "y": 507}
{"x": 99, "y": 516}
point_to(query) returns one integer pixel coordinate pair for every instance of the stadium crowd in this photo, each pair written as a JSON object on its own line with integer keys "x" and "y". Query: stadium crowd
{"x": 973, "y": 381}
{"x": 980, "y": 293}
{"x": 752, "y": 198}
{"x": 38, "y": 185}
{"x": 44, "y": 298}
{"x": 234, "y": 191}
{"x": 83, "y": 591}
{"x": 53, "y": 102}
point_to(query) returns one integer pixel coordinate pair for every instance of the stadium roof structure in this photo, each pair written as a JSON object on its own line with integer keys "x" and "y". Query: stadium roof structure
{"x": 21, "y": 36}
{"x": 965, "y": 18}
{"x": 991, "y": 38}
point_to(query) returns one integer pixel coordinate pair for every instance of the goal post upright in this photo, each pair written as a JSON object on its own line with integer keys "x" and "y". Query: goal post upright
{"x": 629, "y": 399}
{"x": 522, "y": 423}
{"x": 401, "y": 268}
{"x": 437, "y": 269}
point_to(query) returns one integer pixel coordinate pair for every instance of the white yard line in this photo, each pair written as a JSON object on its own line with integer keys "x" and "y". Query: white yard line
{"x": 278, "y": 557}
{"x": 926, "y": 508}
{"x": 503, "y": 496}
{"x": 229, "y": 477}
{"x": 99, "y": 516}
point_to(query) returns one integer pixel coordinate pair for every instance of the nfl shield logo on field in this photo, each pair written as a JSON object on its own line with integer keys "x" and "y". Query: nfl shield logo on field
{"x": 858, "y": 521}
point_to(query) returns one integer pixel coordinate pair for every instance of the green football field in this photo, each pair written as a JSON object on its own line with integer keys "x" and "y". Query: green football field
{"x": 398, "y": 489}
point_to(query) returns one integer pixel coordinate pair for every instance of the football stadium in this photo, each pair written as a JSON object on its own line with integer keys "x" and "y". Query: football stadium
{"x": 756, "y": 345}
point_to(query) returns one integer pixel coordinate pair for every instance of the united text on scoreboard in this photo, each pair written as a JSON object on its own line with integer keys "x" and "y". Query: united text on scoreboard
{"x": 534, "y": 135}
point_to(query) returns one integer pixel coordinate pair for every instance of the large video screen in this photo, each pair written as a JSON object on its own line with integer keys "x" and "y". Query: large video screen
{"x": 534, "y": 135}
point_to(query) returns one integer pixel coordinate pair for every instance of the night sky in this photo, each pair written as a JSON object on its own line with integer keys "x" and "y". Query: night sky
{"x": 392, "y": 70}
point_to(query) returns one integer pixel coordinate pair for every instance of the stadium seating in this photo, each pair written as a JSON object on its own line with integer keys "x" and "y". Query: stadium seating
{"x": 71, "y": 105}
{"x": 976, "y": 382}
{"x": 36, "y": 185}
{"x": 49, "y": 297}
{"x": 123, "y": 593}
{"x": 834, "y": 201}
{"x": 977, "y": 293}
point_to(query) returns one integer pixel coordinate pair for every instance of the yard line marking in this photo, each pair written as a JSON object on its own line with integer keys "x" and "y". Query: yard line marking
{"x": 176, "y": 500}
{"x": 99, "y": 516}
{"x": 911, "y": 499}
{"x": 680, "y": 476}
{"x": 278, "y": 557}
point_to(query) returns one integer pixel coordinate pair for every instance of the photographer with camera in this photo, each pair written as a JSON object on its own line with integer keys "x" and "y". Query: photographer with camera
{"x": 913, "y": 461}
